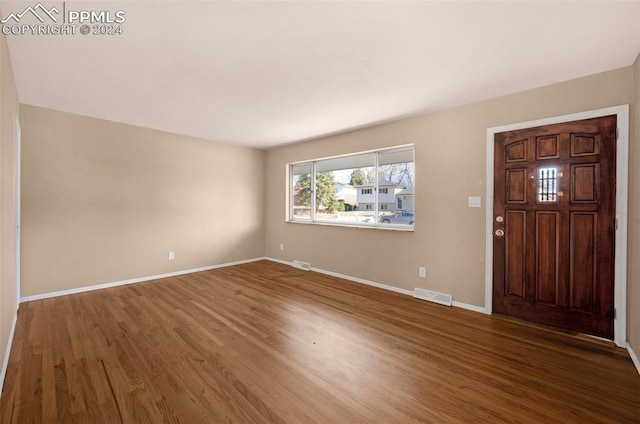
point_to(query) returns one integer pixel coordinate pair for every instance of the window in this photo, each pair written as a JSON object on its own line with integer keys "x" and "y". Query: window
{"x": 360, "y": 189}
{"x": 547, "y": 185}
{"x": 301, "y": 192}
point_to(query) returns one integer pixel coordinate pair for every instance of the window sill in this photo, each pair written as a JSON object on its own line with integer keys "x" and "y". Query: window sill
{"x": 402, "y": 229}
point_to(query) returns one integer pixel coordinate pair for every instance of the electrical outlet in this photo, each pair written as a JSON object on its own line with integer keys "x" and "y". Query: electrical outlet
{"x": 281, "y": 246}
{"x": 172, "y": 255}
{"x": 422, "y": 272}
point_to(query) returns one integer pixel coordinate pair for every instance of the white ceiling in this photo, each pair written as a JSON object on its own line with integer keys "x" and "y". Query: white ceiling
{"x": 265, "y": 73}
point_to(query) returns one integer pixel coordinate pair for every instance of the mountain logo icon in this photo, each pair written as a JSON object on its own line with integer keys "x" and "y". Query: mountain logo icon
{"x": 39, "y": 11}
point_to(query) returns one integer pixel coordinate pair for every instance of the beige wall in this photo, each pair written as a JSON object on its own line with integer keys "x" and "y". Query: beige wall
{"x": 8, "y": 111}
{"x": 104, "y": 202}
{"x": 449, "y": 237}
{"x": 633, "y": 303}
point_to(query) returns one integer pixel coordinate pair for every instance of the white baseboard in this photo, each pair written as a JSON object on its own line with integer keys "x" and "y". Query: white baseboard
{"x": 634, "y": 358}
{"x": 5, "y": 361}
{"x": 469, "y": 307}
{"x": 378, "y": 285}
{"x": 280, "y": 261}
{"x": 133, "y": 280}
{"x": 363, "y": 281}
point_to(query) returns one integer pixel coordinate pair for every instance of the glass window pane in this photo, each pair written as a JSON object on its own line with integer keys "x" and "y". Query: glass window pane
{"x": 301, "y": 192}
{"x": 396, "y": 179}
{"x": 547, "y": 185}
{"x": 345, "y": 196}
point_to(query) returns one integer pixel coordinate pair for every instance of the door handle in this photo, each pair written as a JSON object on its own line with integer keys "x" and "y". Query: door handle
{"x": 500, "y": 233}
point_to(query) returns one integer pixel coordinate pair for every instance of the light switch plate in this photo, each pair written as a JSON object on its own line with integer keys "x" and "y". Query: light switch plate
{"x": 475, "y": 201}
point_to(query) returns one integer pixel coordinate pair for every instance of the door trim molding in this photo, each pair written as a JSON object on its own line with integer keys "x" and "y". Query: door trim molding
{"x": 622, "y": 184}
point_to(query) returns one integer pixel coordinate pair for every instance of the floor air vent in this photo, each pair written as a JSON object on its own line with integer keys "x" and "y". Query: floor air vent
{"x": 302, "y": 265}
{"x": 431, "y": 296}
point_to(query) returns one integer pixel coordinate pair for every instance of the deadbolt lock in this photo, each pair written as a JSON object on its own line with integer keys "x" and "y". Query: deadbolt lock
{"x": 499, "y": 219}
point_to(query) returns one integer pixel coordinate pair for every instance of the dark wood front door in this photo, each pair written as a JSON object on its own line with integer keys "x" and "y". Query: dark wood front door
{"x": 554, "y": 223}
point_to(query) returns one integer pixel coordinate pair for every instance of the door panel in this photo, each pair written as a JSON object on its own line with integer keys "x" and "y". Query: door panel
{"x": 517, "y": 187}
{"x": 584, "y": 187}
{"x": 547, "y": 147}
{"x": 554, "y": 204}
{"x": 517, "y": 151}
{"x": 583, "y": 260}
{"x": 547, "y": 256}
{"x": 516, "y": 240}
{"x": 584, "y": 144}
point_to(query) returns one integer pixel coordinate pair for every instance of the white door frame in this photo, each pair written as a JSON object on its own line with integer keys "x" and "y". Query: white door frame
{"x": 17, "y": 146}
{"x": 622, "y": 184}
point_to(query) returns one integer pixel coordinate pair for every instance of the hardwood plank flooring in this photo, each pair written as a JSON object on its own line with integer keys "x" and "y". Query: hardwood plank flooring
{"x": 267, "y": 343}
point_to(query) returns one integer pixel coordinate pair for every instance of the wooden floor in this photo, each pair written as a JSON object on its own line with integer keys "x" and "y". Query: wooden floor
{"x": 266, "y": 343}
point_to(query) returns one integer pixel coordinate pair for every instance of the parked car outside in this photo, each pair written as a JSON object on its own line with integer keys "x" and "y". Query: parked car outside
{"x": 405, "y": 218}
